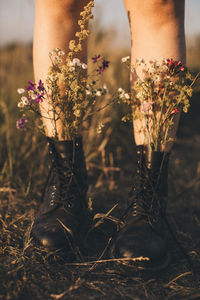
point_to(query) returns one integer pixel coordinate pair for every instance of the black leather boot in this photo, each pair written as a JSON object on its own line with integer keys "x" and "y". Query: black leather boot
{"x": 143, "y": 236}
{"x": 63, "y": 216}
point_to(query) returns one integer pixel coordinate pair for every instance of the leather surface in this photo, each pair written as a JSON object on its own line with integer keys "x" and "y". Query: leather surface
{"x": 143, "y": 234}
{"x": 63, "y": 212}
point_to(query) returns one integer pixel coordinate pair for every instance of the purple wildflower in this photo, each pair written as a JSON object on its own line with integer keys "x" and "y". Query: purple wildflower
{"x": 21, "y": 123}
{"x": 105, "y": 65}
{"x": 96, "y": 58}
{"x": 40, "y": 86}
{"x": 100, "y": 70}
{"x": 40, "y": 98}
{"x": 31, "y": 86}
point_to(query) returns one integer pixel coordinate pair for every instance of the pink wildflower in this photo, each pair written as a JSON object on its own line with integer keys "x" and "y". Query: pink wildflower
{"x": 146, "y": 107}
{"x": 21, "y": 123}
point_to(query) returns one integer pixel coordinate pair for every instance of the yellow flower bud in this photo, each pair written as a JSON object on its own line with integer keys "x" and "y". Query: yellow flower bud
{"x": 72, "y": 45}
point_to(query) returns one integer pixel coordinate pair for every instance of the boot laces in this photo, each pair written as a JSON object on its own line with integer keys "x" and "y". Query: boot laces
{"x": 69, "y": 187}
{"x": 143, "y": 197}
{"x": 66, "y": 189}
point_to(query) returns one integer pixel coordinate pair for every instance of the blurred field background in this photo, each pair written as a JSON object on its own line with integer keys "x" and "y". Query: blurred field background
{"x": 26, "y": 272}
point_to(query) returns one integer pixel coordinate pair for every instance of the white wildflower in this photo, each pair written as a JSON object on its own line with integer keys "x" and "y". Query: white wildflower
{"x": 77, "y": 62}
{"x": 61, "y": 53}
{"x": 157, "y": 78}
{"x": 122, "y": 94}
{"x": 126, "y": 95}
{"x": 88, "y": 92}
{"x": 20, "y": 104}
{"x": 125, "y": 59}
{"x": 120, "y": 90}
{"x": 33, "y": 96}
{"x": 20, "y": 91}
{"x": 84, "y": 66}
{"x": 25, "y": 100}
{"x": 30, "y": 93}
{"x": 98, "y": 93}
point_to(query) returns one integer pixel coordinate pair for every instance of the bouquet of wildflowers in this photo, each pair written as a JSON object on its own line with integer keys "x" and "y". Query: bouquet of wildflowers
{"x": 68, "y": 92}
{"x": 163, "y": 91}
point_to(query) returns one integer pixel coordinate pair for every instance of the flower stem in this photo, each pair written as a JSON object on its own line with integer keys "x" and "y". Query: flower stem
{"x": 160, "y": 118}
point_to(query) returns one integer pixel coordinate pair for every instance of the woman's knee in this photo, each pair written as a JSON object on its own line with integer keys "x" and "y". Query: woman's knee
{"x": 157, "y": 12}
{"x": 59, "y": 8}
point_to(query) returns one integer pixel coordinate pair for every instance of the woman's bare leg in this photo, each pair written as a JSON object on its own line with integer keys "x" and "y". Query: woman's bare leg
{"x": 55, "y": 25}
{"x": 157, "y": 32}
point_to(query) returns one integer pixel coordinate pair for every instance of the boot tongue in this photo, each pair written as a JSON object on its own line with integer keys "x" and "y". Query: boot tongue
{"x": 68, "y": 149}
{"x": 157, "y": 160}
{"x": 64, "y": 149}
{"x": 157, "y": 165}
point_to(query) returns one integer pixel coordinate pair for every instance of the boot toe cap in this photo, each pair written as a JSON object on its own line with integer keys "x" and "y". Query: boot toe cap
{"x": 51, "y": 234}
{"x": 150, "y": 249}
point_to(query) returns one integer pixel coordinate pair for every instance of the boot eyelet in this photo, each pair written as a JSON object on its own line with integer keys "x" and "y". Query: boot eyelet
{"x": 51, "y": 202}
{"x": 69, "y": 204}
{"x": 134, "y": 213}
